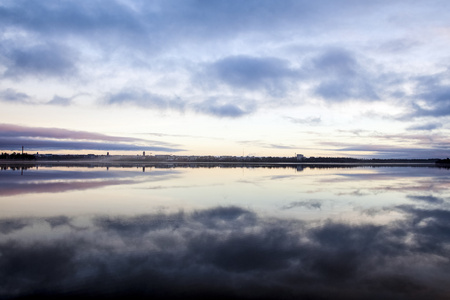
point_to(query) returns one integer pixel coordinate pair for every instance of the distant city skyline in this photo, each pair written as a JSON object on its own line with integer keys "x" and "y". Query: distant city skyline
{"x": 341, "y": 78}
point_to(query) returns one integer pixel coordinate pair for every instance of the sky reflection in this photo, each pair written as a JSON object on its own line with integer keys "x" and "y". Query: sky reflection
{"x": 172, "y": 234}
{"x": 227, "y": 252}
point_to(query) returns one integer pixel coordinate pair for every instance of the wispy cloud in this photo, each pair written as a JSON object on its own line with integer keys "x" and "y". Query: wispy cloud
{"x": 305, "y": 121}
{"x": 311, "y": 204}
{"x": 142, "y": 98}
{"x": 263, "y": 144}
{"x": 10, "y": 95}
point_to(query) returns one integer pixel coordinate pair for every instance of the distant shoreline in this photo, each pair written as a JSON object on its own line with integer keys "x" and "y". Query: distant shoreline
{"x": 140, "y": 163}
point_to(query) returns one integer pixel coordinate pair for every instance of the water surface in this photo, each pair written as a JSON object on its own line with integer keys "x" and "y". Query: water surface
{"x": 234, "y": 232}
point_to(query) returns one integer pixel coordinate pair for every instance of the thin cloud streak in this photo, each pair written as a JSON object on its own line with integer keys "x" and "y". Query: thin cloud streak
{"x": 14, "y": 136}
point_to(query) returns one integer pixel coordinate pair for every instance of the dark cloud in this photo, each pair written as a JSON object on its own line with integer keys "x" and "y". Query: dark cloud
{"x": 9, "y": 225}
{"x": 160, "y": 22}
{"x": 230, "y": 253}
{"x": 336, "y": 74}
{"x": 44, "y": 60}
{"x": 430, "y": 199}
{"x": 58, "y": 221}
{"x": 253, "y": 73}
{"x": 435, "y": 92}
{"x": 426, "y": 126}
{"x": 341, "y": 77}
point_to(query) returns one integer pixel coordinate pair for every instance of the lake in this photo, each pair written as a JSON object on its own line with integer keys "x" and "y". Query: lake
{"x": 225, "y": 232}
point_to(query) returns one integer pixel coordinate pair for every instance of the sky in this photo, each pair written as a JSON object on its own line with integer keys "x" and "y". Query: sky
{"x": 259, "y": 78}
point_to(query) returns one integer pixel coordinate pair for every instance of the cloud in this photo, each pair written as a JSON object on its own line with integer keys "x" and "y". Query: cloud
{"x": 311, "y": 204}
{"x": 399, "y": 46}
{"x": 430, "y": 199}
{"x": 47, "y": 144}
{"x": 335, "y": 74}
{"x": 9, "y": 225}
{"x": 219, "y": 47}
{"x": 420, "y": 146}
{"x": 426, "y": 126}
{"x": 145, "y": 99}
{"x": 307, "y": 121}
{"x": 431, "y": 96}
{"x": 263, "y": 144}
{"x": 225, "y": 108}
{"x": 10, "y": 130}
{"x": 14, "y": 136}
{"x": 10, "y": 95}
{"x": 383, "y": 151}
{"x": 43, "y": 60}
{"x": 228, "y": 252}
{"x": 233, "y": 51}
{"x": 62, "y": 101}
{"x": 340, "y": 77}
{"x": 253, "y": 73}
{"x": 143, "y": 24}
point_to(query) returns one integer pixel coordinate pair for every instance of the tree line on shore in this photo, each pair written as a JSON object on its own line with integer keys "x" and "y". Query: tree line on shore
{"x": 17, "y": 156}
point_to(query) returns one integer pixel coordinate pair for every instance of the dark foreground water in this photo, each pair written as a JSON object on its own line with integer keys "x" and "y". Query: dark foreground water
{"x": 225, "y": 233}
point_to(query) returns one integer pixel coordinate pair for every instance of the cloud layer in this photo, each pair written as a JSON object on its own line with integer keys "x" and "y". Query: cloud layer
{"x": 61, "y": 40}
{"x": 336, "y": 65}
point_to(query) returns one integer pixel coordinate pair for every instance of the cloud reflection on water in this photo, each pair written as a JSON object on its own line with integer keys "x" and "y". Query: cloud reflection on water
{"x": 59, "y": 181}
{"x": 227, "y": 252}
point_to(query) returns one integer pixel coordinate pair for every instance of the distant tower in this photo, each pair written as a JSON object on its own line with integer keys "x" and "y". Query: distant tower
{"x": 22, "y": 150}
{"x": 107, "y": 153}
{"x": 143, "y": 153}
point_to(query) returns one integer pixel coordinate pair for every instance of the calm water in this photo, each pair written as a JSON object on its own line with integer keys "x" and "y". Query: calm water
{"x": 239, "y": 233}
